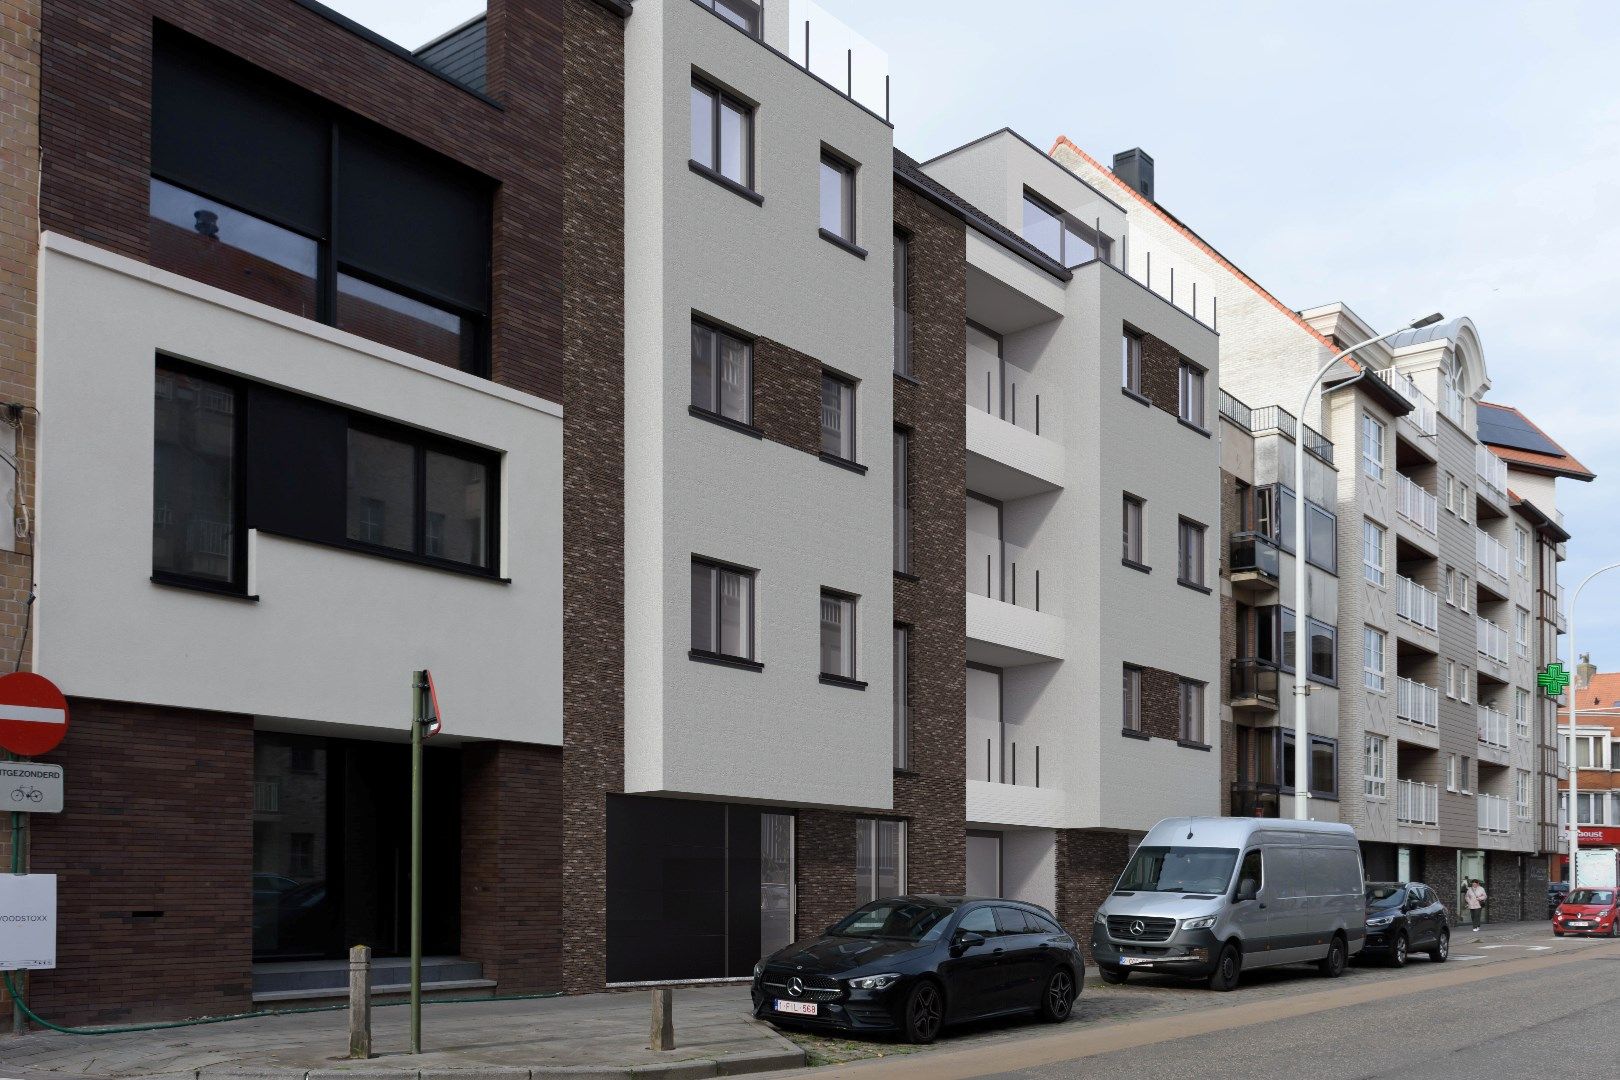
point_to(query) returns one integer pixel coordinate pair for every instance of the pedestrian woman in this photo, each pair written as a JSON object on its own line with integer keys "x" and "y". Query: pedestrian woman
{"x": 1474, "y": 897}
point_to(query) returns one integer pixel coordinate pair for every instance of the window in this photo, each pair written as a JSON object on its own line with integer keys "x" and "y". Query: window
{"x": 837, "y": 417}
{"x": 1190, "y": 560}
{"x": 902, "y": 303}
{"x": 1323, "y": 763}
{"x": 1521, "y": 713}
{"x": 1192, "y": 394}
{"x": 1465, "y": 776}
{"x": 1451, "y": 492}
{"x": 837, "y": 197}
{"x": 1131, "y": 361}
{"x": 1373, "y": 644}
{"x": 1372, "y": 552}
{"x": 902, "y": 696}
{"x": 1589, "y": 751}
{"x": 1376, "y": 784}
{"x": 1590, "y": 807}
{"x": 410, "y": 497}
{"x": 1521, "y": 550}
{"x": 1521, "y": 631}
{"x": 1372, "y": 446}
{"x": 743, "y": 14}
{"x": 902, "y": 502}
{"x": 722, "y": 610}
{"x": 722, "y": 134}
{"x": 1521, "y": 794}
{"x": 1451, "y": 772}
{"x": 880, "y": 859}
{"x": 1451, "y": 586}
{"x": 1061, "y": 237}
{"x": 1132, "y": 708}
{"x": 722, "y": 373}
{"x": 1465, "y": 592}
{"x": 1465, "y": 683}
{"x": 197, "y": 533}
{"x": 1192, "y": 711}
{"x": 837, "y": 635}
{"x": 1321, "y": 538}
{"x": 1465, "y": 502}
{"x": 1324, "y": 652}
{"x": 1133, "y": 530}
{"x": 260, "y": 188}
{"x": 1451, "y": 678}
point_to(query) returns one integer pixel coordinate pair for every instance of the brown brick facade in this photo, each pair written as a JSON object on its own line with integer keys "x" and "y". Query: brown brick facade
{"x": 824, "y": 869}
{"x": 511, "y": 863}
{"x": 155, "y": 866}
{"x": 1161, "y": 374}
{"x": 1088, "y": 863}
{"x": 787, "y": 396}
{"x": 1161, "y": 704}
{"x": 593, "y": 475}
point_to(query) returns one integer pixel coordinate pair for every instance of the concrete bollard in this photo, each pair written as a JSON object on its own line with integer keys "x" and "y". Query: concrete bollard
{"x": 360, "y": 1001}
{"x": 663, "y": 1019}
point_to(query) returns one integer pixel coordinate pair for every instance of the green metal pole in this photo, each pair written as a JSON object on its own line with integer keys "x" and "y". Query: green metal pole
{"x": 19, "y": 865}
{"x": 417, "y": 682}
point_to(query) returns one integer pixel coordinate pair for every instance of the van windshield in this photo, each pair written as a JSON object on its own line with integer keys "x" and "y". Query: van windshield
{"x": 1179, "y": 870}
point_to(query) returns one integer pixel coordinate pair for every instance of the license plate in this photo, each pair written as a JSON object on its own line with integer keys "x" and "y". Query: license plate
{"x": 1580, "y": 924}
{"x": 1132, "y": 961}
{"x": 798, "y": 1008}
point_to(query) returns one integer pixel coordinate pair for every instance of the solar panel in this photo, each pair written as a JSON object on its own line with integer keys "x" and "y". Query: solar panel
{"x": 1504, "y": 427}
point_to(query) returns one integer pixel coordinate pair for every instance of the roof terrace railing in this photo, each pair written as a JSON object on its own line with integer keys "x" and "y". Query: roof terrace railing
{"x": 828, "y": 49}
{"x": 1277, "y": 418}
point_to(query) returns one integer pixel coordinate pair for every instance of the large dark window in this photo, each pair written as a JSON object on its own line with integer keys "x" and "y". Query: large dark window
{"x": 1268, "y": 634}
{"x": 232, "y": 455}
{"x": 837, "y": 197}
{"x": 265, "y": 190}
{"x": 722, "y": 373}
{"x": 743, "y": 14}
{"x": 722, "y": 610}
{"x": 722, "y": 135}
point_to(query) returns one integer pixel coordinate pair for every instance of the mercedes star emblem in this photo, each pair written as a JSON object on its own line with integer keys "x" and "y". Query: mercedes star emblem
{"x": 1137, "y": 928}
{"x": 796, "y": 986}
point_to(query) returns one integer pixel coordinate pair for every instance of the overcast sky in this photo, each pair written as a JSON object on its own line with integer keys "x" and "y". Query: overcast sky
{"x": 1401, "y": 157}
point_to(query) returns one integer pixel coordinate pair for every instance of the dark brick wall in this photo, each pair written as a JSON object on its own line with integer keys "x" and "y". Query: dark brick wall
{"x": 593, "y": 475}
{"x": 1228, "y": 718}
{"x": 1088, "y": 863}
{"x": 1161, "y": 375}
{"x": 96, "y": 133}
{"x": 511, "y": 863}
{"x": 1161, "y": 704}
{"x": 1505, "y": 873}
{"x": 1440, "y": 870}
{"x": 787, "y": 397}
{"x": 824, "y": 869}
{"x": 933, "y": 792}
{"x": 159, "y": 818}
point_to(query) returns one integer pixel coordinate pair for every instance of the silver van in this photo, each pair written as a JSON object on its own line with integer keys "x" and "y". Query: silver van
{"x": 1207, "y": 897}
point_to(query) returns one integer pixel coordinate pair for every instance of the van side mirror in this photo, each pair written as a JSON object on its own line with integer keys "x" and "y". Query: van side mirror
{"x": 1248, "y": 889}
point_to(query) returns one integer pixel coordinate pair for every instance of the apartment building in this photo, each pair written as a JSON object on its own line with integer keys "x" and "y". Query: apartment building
{"x": 1597, "y": 761}
{"x": 1425, "y": 604}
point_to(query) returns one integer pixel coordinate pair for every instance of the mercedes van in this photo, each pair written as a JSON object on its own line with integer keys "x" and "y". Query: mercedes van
{"x": 1205, "y": 898}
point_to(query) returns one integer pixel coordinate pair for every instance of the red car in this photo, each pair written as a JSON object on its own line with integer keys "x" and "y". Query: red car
{"x": 1588, "y": 911}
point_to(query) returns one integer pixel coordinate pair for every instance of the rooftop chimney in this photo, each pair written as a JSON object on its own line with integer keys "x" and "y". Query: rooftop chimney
{"x": 1136, "y": 169}
{"x": 1584, "y": 672}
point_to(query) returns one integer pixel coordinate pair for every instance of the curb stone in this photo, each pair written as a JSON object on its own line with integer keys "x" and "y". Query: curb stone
{"x": 787, "y": 1056}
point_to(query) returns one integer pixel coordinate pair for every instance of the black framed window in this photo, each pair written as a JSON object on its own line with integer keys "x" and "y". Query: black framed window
{"x": 1321, "y": 537}
{"x": 1324, "y": 651}
{"x": 743, "y": 14}
{"x": 1323, "y": 764}
{"x": 1132, "y": 509}
{"x": 722, "y": 610}
{"x": 722, "y": 134}
{"x": 902, "y": 696}
{"x": 1191, "y": 392}
{"x": 1190, "y": 553}
{"x": 1131, "y": 710}
{"x": 1131, "y": 361}
{"x": 880, "y": 859}
{"x": 837, "y": 197}
{"x": 260, "y": 188}
{"x": 1273, "y": 642}
{"x": 837, "y": 416}
{"x": 722, "y": 373}
{"x": 197, "y": 533}
{"x": 1192, "y": 710}
{"x": 837, "y": 634}
{"x": 1065, "y": 239}
{"x": 902, "y": 501}
{"x": 902, "y": 303}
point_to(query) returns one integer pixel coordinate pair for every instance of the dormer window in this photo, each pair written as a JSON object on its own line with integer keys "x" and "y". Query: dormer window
{"x": 1062, "y": 238}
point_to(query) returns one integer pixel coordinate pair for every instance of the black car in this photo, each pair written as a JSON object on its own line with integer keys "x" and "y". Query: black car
{"x": 1557, "y": 891}
{"x": 1403, "y": 918}
{"x": 913, "y": 964}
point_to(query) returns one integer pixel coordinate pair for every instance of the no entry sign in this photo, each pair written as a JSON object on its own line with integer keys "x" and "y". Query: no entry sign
{"x": 33, "y": 714}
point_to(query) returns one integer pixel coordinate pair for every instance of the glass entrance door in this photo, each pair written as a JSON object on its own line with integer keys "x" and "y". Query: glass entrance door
{"x": 1470, "y": 865}
{"x": 984, "y": 864}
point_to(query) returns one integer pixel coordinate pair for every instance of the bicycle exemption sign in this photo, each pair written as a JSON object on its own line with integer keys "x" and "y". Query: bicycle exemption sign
{"x": 27, "y": 922}
{"x": 30, "y": 787}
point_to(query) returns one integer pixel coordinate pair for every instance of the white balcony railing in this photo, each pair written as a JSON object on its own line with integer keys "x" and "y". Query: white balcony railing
{"x": 1416, "y": 703}
{"x": 1423, "y": 411}
{"x": 1417, "y": 605}
{"x": 1493, "y": 641}
{"x": 1417, "y": 803}
{"x": 1491, "y": 470}
{"x": 1494, "y": 814}
{"x": 1494, "y": 727}
{"x": 1417, "y": 505}
{"x": 1491, "y": 554}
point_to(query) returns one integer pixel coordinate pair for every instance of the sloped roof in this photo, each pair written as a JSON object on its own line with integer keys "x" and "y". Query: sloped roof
{"x": 1517, "y": 440}
{"x": 1603, "y": 693}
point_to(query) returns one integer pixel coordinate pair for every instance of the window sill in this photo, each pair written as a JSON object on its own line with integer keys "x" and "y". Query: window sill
{"x": 705, "y": 657}
{"x": 1132, "y": 733}
{"x": 727, "y": 182}
{"x": 1194, "y": 586}
{"x": 838, "y": 241}
{"x": 906, "y": 575}
{"x": 843, "y": 463}
{"x": 839, "y": 680}
{"x": 1188, "y": 744}
{"x": 226, "y": 592}
{"x": 908, "y": 377}
{"x": 1134, "y": 396}
{"x": 725, "y": 421}
{"x": 393, "y": 555}
{"x": 1190, "y": 426}
{"x": 1134, "y": 565}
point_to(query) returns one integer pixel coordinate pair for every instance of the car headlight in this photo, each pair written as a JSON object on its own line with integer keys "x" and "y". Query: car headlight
{"x": 1380, "y": 921}
{"x": 874, "y": 982}
{"x": 759, "y": 969}
{"x": 1100, "y": 919}
{"x": 1199, "y": 924}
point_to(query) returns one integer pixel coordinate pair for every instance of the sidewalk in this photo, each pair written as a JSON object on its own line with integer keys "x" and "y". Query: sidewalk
{"x": 586, "y": 1037}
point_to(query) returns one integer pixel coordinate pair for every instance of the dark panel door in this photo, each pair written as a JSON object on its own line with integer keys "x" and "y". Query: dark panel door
{"x": 666, "y": 889}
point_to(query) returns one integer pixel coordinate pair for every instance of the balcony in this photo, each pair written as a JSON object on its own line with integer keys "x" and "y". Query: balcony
{"x": 1276, "y": 418}
{"x": 1494, "y": 728}
{"x": 1253, "y": 684}
{"x": 1006, "y": 572}
{"x": 1007, "y": 411}
{"x": 1417, "y": 605}
{"x": 1493, "y": 641}
{"x": 1417, "y": 803}
{"x": 1492, "y": 556}
{"x": 1417, "y": 704}
{"x": 1417, "y": 506}
{"x": 1237, "y": 412}
{"x": 1492, "y": 473}
{"x": 1255, "y": 565}
{"x": 1422, "y": 415}
{"x": 1250, "y": 799}
{"x": 1494, "y": 814}
{"x": 1009, "y": 392}
{"x": 835, "y": 54}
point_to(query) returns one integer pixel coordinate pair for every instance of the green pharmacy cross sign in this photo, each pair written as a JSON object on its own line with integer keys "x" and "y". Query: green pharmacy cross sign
{"x": 1553, "y": 680}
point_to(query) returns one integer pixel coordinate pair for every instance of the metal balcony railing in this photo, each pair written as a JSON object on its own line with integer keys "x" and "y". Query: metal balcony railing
{"x": 1008, "y": 392}
{"x": 1253, "y": 552}
{"x": 1493, "y": 641}
{"x": 1237, "y": 412}
{"x": 1491, "y": 554}
{"x": 1493, "y": 727}
{"x": 1417, "y": 605}
{"x": 1007, "y": 572}
{"x": 1253, "y": 680}
{"x": 1417, "y": 704}
{"x": 1423, "y": 410}
{"x": 1491, "y": 470}
{"x": 1493, "y": 814}
{"x": 1276, "y": 418}
{"x": 1417, "y": 803}
{"x": 1416, "y": 505}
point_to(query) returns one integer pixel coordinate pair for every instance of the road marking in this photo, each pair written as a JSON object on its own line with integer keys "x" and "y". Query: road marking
{"x": 1538, "y": 948}
{"x": 1457, "y": 956}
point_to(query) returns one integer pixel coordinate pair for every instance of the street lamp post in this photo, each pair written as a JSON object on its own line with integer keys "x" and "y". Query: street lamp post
{"x": 1302, "y": 652}
{"x": 1574, "y": 717}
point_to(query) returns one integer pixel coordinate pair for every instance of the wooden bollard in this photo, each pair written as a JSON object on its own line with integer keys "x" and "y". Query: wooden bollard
{"x": 663, "y": 1019}
{"x": 360, "y": 1001}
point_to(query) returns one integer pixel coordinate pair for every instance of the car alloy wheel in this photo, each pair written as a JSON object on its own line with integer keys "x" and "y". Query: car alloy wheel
{"x": 925, "y": 1013}
{"x": 1332, "y": 964}
{"x": 1442, "y": 947}
{"x": 1059, "y": 999}
{"x": 1398, "y": 956}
